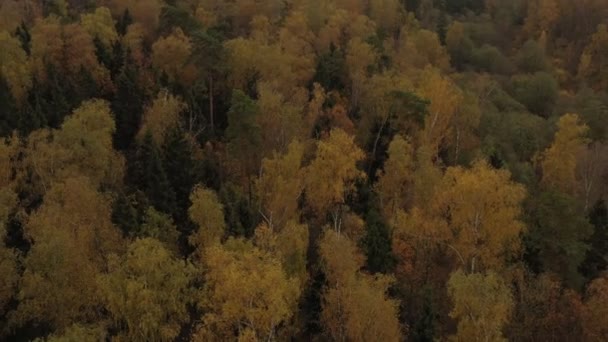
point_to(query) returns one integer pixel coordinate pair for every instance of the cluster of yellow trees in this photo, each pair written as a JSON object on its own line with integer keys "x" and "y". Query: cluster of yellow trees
{"x": 348, "y": 170}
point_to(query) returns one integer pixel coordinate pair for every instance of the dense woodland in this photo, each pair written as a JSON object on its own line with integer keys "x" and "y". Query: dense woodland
{"x": 326, "y": 170}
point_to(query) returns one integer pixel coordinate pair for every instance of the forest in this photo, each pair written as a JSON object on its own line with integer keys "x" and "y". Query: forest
{"x": 303, "y": 170}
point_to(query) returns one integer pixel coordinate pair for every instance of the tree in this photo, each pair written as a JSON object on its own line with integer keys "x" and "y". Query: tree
{"x": 127, "y": 106}
{"x": 206, "y": 212}
{"x": 280, "y": 186}
{"x": 482, "y": 208}
{"x": 171, "y": 55}
{"x": 558, "y": 235}
{"x": 459, "y": 44}
{"x": 9, "y": 114}
{"x": 82, "y": 146}
{"x": 331, "y": 70}
{"x": 593, "y": 61}
{"x": 148, "y": 173}
{"x": 100, "y": 24}
{"x": 559, "y": 160}
{"x": 147, "y": 291}
{"x": 532, "y": 57}
{"x": 256, "y": 309}
{"x": 395, "y": 181}
{"x": 596, "y": 260}
{"x": 594, "y": 312}
{"x": 332, "y": 174}
{"x": 182, "y": 169}
{"x": 386, "y": 13}
{"x": 544, "y": 309}
{"x": 355, "y": 305}
{"x": 8, "y": 200}
{"x": 445, "y": 98}
{"x": 71, "y": 235}
{"x": 14, "y": 66}
{"x": 161, "y": 117}
{"x": 482, "y": 305}
{"x": 244, "y": 136}
{"x": 377, "y": 244}
{"x": 538, "y": 92}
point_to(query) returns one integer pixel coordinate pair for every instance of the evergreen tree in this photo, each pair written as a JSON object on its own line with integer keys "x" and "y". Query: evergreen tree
{"x": 149, "y": 175}
{"x": 8, "y": 109}
{"x": 442, "y": 24}
{"x": 424, "y": 328}
{"x": 377, "y": 244}
{"x": 123, "y": 23}
{"x": 101, "y": 51}
{"x": 127, "y": 106}
{"x": 54, "y": 98}
{"x": 125, "y": 215}
{"x": 331, "y": 70}
{"x": 596, "y": 260}
{"x": 24, "y": 36}
{"x": 180, "y": 168}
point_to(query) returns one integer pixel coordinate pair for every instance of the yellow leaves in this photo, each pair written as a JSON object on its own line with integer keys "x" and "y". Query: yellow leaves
{"x": 593, "y": 60}
{"x": 288, "y": 72}
{"x": 280, "y": 185}
{"x": 445, "y": 98}
{"x": 279, "y": 117}
{"x": 148, "y": 291}
{"x": 207, "y": 212}
{"x": 262, "y": 303}
{"x": 341, "y": 258}
{"x": 483, "y": 206}
{"x": 171, "y": 55}
{"x": 397, "y": 177}
{"x": 559, "y": 160}
{"x": 71, "y": 235}
{"x": 14, "y": 66}
{"x": 359, "y": 56}
{"x": 482, "y": 306}
{"x": 161, "y": 117}
{"x": 386, "y": 13}
{"x": 83, "y": 146}
{"x": 68, "y": 48}
{"x": 333, "y": 172}
{"x": 101, "y": 25}
{"x": 355, "y": 305}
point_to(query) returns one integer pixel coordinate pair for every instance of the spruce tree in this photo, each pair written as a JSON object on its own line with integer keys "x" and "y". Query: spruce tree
{"x": 127, "y": 107}
{"x": 149, "y": 175}
{"x": 180, "y": 168}
{"x": 377, "y": 244}
{"x": 8, "y": 109}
